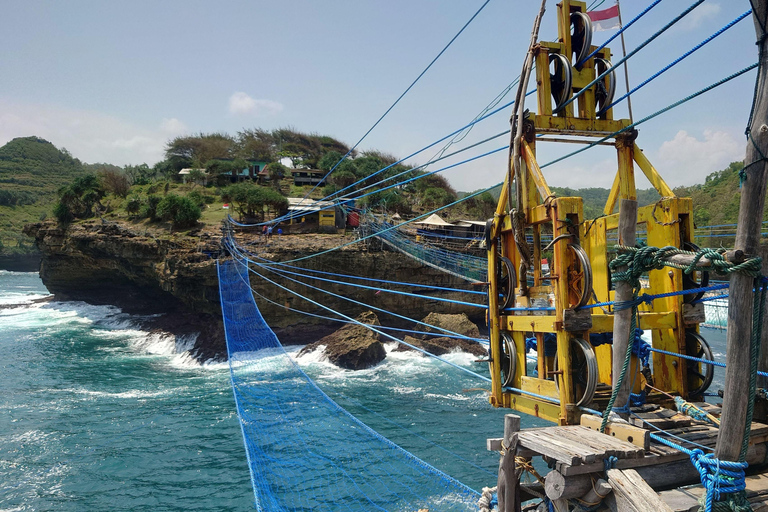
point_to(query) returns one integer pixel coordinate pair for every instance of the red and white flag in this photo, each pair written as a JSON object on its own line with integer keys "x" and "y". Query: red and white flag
{"x": 607, "y": 19}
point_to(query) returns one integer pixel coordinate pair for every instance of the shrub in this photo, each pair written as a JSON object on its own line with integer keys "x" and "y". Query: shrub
{"x": 197, "y": 198}
{"x": 149, "y": 208}
{"x": 62, "y": 212}
{"x": 133, "y": 205}
{"x": 115, "y": 181}
{"x": 180, "y": 210}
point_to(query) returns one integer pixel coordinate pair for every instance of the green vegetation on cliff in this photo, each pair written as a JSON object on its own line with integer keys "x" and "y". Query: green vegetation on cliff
{"x": 31, "y": 171}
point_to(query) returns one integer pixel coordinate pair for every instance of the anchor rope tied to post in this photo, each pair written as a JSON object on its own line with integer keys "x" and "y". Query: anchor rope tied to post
{"x": 723, "y": 480}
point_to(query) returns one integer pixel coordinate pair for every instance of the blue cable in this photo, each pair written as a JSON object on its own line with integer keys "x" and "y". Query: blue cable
{"x": 365, "y": 287}
{"x": 630, "y": 54}
{"x": 403, "y": 283}
{"x": 482, "y": 341}
{"x": 369, "y": 306}
{"x": 372, "y": 328}
{"x": 686, "y": 54}
{"x": 403, "y": 94}
{"x": 655, "y": 114}
{"x": 617, "y": 34}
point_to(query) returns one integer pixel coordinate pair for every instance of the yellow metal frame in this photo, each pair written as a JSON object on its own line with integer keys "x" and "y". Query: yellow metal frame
{"x": 669, "y": 222}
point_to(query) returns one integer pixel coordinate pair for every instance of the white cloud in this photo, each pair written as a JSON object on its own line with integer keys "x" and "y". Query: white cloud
{"x": 90, "y": 136}
{"x": 697, "y": 16}
{"x": 241, "y": 103}
{"x": 686, "y": 160}
{"x": 173, "y": 126}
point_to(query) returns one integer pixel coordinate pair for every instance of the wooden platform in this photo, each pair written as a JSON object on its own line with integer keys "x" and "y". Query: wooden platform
{"x": 578, "y": 453}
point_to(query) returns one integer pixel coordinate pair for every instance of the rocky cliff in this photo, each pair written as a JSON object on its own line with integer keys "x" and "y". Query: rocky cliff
{"x": 154, "y": 272}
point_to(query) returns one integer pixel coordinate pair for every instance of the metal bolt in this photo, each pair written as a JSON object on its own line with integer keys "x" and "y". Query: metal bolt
{"x": 763, "y": 128}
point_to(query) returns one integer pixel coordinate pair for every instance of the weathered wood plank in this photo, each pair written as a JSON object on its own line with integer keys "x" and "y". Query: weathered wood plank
{"x": 632, "y": 493}
{"x": 629, "y": 433}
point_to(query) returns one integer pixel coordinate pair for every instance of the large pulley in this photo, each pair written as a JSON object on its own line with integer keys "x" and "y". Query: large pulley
{"x": 579, "y": 278}
{"x": 583, "y": 371}
{"x": 700, "y": 375}
{"x": 581, "y": 37}
{"x": 506, "y": 282}
{"x": 508, "y": 354}
{"x": 605, "y": 89}
{"x": 561, "y": 79}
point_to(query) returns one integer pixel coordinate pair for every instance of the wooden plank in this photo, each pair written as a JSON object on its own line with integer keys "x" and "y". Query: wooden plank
{"x": 635, "y": 435}
{"x": 632, "y": 493}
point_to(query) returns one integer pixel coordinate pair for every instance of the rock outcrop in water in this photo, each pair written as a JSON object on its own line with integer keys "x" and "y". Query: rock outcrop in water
{"x": 143, "y": 271}
{"x": 432, "y": 342}
{"x": 354, "y": 346}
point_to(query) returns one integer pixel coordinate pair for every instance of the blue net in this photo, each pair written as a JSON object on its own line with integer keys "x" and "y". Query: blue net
{"x": 305, "y": 452}
{"x": 466, "y": 266}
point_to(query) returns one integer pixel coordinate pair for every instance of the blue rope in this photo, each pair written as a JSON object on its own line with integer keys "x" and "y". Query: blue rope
{"x": 686, "y": 54}
{"x": 365, "y": 287}
{"x": 633, "y": 52}
{"x": 402, "y": 283}
{"x": 403, "y": 94}
{"x": 349, "y": 299}
{"x": 617, "y": 34}
{"x": 482, "y": 341}
{"x": 717, "y": 476}
{"x": 367, "y": 326}
{"x": 655, "y": 114}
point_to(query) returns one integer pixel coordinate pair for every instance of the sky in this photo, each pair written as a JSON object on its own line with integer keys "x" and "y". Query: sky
{"x": 115, "y": 81}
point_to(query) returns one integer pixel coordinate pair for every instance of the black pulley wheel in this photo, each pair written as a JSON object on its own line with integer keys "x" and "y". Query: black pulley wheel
{"x": 581, "y": 36}
{"x": 506, "y": 282}
{"x": 605, "y": 89}
{"x": 508, "y": 359}
{"x": 561, "y": 79}
{"x": 700, "y": 375}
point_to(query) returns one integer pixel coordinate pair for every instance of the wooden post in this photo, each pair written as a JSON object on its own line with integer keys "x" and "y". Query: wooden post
{"x": 622, "y": 320}
{"x": 508, "y": 490}
{"x": 736, "y": 388}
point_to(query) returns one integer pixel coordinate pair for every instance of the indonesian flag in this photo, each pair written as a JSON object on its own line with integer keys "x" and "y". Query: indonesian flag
{"x": 607, "y": 19}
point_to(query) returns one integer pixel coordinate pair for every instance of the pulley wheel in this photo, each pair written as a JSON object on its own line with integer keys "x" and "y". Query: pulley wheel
{"x": 487, "y": 234}
{"x": 506, "y": 282}
{"x": 579, "y": 279}
{"x": 605, "y": 89}
{"x": 700, "y": 375}
{"x": 690, "y": 280}
{"x": 581, "y": 36}
{"x": 583, "y": 370}
{"x": 508, "y": 359}
{"x": 560, "y": 79}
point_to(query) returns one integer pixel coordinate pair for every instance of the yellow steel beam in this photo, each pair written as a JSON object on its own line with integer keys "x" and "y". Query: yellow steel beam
{"x": 529, "y": 405}
{"x": 535, "y": 171}
{"x": 652, "y": 174}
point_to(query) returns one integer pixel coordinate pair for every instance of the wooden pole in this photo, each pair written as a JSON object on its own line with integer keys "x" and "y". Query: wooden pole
{"x": 736, "y": 388}
{"x": 622, "y": 320}
{"x": 508, "y": 490}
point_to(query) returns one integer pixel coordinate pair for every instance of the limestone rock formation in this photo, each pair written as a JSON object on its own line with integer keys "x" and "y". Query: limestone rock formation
{"x": 459, "y": 323}
{"x": 353, "y": 347}
{"x": 432, "y": 342}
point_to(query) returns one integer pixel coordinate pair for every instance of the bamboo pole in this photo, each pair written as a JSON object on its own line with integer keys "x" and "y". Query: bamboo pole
{"x": 736, "y": 389}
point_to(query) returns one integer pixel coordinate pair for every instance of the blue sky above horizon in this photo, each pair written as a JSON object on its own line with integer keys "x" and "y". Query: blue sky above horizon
{"x": 114, "y": 81}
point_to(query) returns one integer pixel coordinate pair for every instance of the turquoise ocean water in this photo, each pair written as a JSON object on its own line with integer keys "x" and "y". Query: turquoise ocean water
{"x": 96, "y": 414}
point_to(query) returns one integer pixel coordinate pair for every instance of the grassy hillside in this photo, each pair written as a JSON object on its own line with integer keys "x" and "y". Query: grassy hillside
{"x": 31, "y": 171}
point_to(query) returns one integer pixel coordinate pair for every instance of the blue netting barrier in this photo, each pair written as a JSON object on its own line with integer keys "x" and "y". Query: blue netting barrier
{"x": 466, "y": 266}
{"x": 304, "y": 451}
